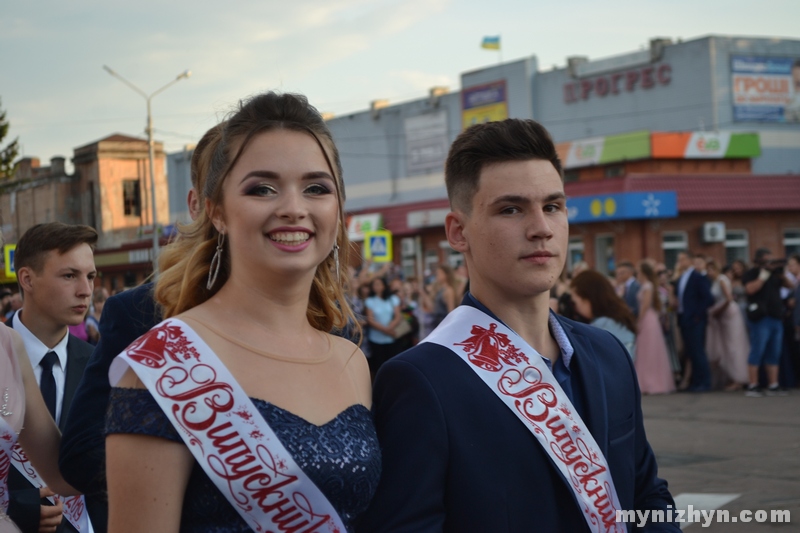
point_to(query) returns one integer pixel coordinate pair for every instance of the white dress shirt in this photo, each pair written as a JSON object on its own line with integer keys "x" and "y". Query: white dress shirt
{"x": 36, "y": 352}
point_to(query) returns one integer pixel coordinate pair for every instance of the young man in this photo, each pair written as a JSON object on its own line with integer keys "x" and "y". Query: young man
{"x": 694, "y": 299}
{"x": 55, "y": 270}
{"x": 509, "y": 418}
{"x": 627, "y": 286}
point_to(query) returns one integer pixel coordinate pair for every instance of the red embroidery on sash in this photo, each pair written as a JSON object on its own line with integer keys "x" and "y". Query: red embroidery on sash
{"x": 255, "y": 479}
{"x": 537, "y": 402}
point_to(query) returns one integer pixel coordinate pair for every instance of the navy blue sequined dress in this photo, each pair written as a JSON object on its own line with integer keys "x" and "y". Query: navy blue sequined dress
{"x": 342, "y": 457}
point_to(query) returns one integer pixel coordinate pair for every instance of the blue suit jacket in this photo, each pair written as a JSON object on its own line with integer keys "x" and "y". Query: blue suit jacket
{"x": 697, "y": 298}
{"x": 456, "y": 459}
{"x": 25, "y": 505}
{"x": 126, "y": 316}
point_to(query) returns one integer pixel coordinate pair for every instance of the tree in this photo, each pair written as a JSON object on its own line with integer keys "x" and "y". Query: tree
{"x": 8, "y": 155}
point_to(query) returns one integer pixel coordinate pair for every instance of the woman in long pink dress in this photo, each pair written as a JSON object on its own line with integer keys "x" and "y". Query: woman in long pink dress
{"x": 727, "y": 342}
{"x": 652, "y": 359}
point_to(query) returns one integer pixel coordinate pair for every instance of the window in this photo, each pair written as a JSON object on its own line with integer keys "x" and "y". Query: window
{"x": 604, "y": 251}
{"x": 613, "y": 171}
{"x": 737, "y": 246}
{"x": 571, "y": 175}
{"x": 574, "y": 252}
{"x": 791, "y": 241}
{"x": 132, "y": 198}
{"x": 673, "y": 242}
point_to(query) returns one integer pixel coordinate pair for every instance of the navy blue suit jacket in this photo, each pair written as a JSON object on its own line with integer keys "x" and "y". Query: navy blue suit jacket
{"x": 25, "y": 505}
{"x": 456, "y": 459}
{"x": 696, "y": 298}
{"x": 126, "y": 316}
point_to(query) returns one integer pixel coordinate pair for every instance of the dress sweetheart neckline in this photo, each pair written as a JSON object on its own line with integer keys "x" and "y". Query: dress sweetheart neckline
{"x": 341, "y": 413}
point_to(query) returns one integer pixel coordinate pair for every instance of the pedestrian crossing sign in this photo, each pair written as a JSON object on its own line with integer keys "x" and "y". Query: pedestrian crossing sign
{"x": 8, "y": 259}
{"x": 378, "y": 246}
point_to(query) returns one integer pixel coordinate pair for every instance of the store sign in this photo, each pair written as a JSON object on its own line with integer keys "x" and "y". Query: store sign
{"x": 628, "y": 81}
{"x": 484, "y": 103}
{"x": 705, "y": 145}
{"x": 361, "y": 224}
{"x": 766, "y": 89}
{"x": 604, "y": 150}
{"x": 622, "y": 206}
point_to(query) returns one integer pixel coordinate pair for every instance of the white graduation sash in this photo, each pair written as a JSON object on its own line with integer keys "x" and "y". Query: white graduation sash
{"x": 74, "y": 506}
{"x": 8, "y": 437}
{"x": 227, "y": 435}
{"x": 515, "y": 372}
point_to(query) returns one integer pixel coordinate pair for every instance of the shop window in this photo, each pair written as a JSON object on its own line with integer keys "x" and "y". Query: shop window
{"x": 791, "y": 242}
{"x": 575, "y": 253}
{"x": 605, "y": 261}
{"x": 737, "y": 246}
{"x": 131, "y": 197}
{"x": 613, "y": 171}
{"x": 571, "y": 175}
{"x": 672, "y": 243}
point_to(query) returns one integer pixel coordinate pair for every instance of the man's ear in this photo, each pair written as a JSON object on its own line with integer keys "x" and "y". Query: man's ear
{"x": 25, "y": 279}
{"x": 454, "y": 227}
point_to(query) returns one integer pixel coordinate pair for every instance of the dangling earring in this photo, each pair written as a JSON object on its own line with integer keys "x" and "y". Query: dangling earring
{"x": 213, "y": 268}
{"x": 336, "y": 260}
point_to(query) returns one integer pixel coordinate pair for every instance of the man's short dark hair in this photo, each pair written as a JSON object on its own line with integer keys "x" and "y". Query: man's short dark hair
{"x": 760, "y": 254}
{"x": 512, "y": 139}
{"x": 42, "y": 238}
{"x": 627, "y": 264}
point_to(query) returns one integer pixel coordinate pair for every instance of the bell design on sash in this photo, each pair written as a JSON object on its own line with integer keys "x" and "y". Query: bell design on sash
{"x": 152, "y": 348}
{"x": 487, "y": 347}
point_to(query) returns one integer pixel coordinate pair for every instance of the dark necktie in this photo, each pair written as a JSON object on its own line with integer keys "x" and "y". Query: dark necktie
{"x": 48, "y": 383}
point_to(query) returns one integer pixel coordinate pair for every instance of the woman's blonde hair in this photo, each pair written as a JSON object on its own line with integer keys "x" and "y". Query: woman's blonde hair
{"x": 185, "y": 263}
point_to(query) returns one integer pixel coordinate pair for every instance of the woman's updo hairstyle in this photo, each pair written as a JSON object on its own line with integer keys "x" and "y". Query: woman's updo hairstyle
{"x": 185, "y": 263}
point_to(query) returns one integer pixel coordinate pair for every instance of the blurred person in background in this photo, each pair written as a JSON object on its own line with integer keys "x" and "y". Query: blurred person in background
{"x": 727, "y": 342}
{"x": 383, "y": 316}
{"x": 597, "y": 301}
{"x": 652, "y": 362}
{"x": 99, "y": 298}
{"x": 765, "y": 310}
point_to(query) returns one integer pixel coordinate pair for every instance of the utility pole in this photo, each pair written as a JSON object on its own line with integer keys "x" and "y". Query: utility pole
{"x": 151, "y": 153}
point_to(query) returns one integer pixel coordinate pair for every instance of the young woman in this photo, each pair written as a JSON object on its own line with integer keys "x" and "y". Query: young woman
{"x": 597, "y": 301}
{"x": 727, "y": 342}
{"x": 383, "y": 316}
{"x": 280, "y": 434}
{"x": 24, "y": 416}
{"x": 652, "y": 361}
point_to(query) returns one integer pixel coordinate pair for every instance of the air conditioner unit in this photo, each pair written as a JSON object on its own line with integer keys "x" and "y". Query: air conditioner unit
{"x": 407, "y": 247}
{"x": 713, "y": 232}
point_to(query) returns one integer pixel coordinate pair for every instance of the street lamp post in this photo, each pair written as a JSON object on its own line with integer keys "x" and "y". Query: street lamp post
{"x": 149, "y": 131}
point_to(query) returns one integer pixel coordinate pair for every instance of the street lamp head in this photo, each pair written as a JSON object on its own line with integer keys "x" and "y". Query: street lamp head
{"x": 185, "y": 74}
{"x": 108, "y": 69}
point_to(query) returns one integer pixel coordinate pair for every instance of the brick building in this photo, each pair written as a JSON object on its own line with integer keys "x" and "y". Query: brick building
{"x": 109, "y": 190}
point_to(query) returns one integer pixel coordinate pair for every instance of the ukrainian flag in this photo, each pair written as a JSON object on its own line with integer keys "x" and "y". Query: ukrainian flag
{"x": 491, "y": 43}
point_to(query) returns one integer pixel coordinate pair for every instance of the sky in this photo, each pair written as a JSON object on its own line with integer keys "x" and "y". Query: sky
{"x": 342, "y": 54}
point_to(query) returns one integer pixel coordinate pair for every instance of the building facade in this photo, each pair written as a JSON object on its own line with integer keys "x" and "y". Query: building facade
{"x": 711, "y": 117}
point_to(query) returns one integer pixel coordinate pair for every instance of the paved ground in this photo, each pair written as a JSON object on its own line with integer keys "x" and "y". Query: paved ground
{"x": 725, "y": 443}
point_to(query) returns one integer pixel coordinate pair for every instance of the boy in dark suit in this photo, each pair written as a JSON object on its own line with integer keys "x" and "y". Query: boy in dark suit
{"x": 55, "y": 270}
{"x": 456, "y": 456}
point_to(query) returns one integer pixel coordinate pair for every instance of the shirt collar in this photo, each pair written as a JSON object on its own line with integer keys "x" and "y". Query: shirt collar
{"x": 630, "y": 281}
{"x": 556, "y": 329}
{"x": 36, "y": 349}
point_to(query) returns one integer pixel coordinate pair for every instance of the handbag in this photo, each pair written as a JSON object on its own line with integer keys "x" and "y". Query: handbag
{"x": 402, "y": 329}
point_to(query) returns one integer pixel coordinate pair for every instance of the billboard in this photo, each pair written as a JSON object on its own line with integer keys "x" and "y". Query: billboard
{"x": 622, "y": 206}
{"x": 426, "y": 142}
{"x": 484, "y": 103}
{"x": 766, "y": 89}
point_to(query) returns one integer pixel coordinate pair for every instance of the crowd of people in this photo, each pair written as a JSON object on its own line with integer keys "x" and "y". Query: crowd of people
{"x": 227, "y": 394}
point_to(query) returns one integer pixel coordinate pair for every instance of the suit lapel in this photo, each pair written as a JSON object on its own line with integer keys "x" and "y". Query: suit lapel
{"x": 584, "y": 362}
